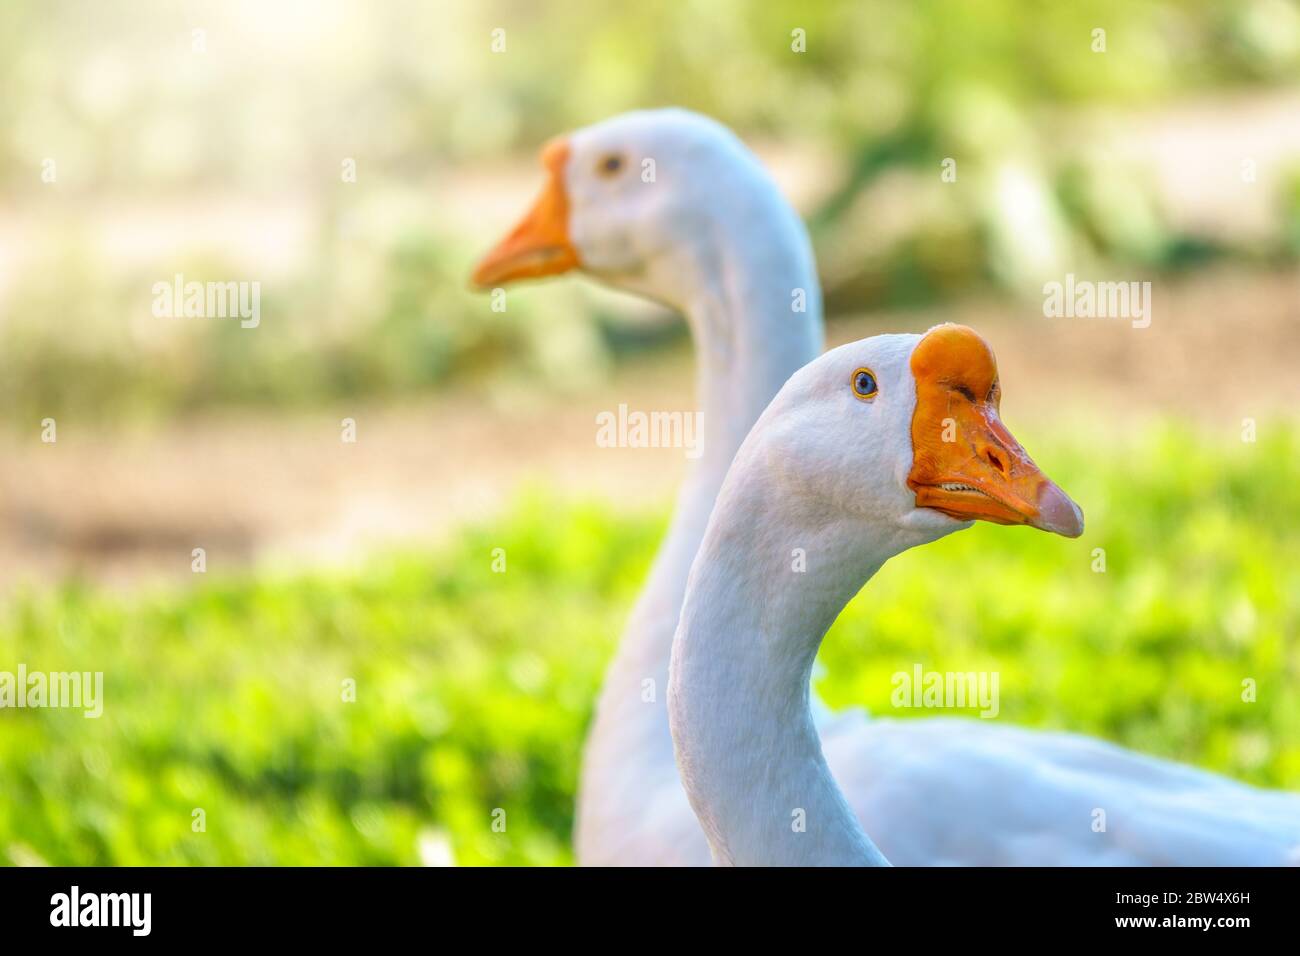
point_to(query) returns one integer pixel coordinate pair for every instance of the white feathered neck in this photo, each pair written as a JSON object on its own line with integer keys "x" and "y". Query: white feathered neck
{"x": 753, "y": 619}
{"x": 740, "y": 289}
{"x": 747, "y": 747}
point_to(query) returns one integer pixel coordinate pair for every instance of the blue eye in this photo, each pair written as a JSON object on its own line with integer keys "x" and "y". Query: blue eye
{"x": 864, "y": 383}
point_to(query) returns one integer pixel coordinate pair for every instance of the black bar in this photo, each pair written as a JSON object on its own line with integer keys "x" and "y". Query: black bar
{"x": 333, "y": 906}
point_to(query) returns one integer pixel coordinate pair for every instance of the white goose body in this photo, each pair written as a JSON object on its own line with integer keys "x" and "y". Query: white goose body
{"x": 712, "y": 236}
{"x": 940, "y": 791}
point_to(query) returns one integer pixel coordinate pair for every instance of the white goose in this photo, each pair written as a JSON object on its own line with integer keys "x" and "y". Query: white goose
{"x": 848, "y": 463}
{"x": 712, "y": 236}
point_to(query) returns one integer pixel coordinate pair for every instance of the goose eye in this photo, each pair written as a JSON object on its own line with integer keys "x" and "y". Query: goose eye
{"x": 610, "y": 165}
{"x": 864, "y": 383}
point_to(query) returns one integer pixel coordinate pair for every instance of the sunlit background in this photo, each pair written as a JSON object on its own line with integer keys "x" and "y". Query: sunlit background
{"x": 143, "y": 139}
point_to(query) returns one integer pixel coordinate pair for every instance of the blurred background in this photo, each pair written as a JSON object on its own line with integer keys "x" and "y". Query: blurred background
{"x": 147, "y": 138}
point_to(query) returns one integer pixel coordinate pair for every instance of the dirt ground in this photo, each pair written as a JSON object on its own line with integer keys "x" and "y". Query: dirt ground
{"x": 127, "y": 506}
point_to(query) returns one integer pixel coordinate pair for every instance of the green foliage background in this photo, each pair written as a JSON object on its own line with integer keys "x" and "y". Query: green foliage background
{"x": 474, "y": 688}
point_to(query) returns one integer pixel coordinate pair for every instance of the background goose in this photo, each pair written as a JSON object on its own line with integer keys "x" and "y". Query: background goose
{"x": 848, "y": 464}
{"x": 672, "y": 206}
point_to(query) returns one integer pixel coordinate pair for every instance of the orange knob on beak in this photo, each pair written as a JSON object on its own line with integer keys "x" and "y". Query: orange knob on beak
{"x": 965, "y": 462}
{"x": 539, "y": 245}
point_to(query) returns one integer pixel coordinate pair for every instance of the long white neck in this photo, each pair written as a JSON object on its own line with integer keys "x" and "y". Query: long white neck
{"x": 752, "y": 622}
{"x": 741, "y": 291}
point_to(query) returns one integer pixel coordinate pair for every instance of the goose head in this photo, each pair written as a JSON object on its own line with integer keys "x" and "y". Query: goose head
{"x": 644, "y": 202}
{"x": 905, "y": 431}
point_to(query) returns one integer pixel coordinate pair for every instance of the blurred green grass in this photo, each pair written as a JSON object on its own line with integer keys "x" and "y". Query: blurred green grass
{"x": 474, "y": 688}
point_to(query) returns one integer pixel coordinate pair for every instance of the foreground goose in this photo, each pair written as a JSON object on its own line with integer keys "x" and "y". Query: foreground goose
{"x": 849, "y": 464}
{"x": 712, "y": 236}
{"x": 672, "y": 206}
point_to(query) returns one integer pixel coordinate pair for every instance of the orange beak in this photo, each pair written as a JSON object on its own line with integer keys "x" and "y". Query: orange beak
{"x": 539, "y": 245}
{"x": 965, "y": 462}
